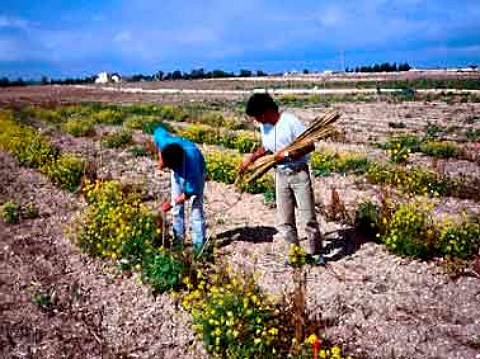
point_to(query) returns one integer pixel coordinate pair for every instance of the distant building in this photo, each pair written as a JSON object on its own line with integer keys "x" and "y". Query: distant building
{"x": 105, "y": 78}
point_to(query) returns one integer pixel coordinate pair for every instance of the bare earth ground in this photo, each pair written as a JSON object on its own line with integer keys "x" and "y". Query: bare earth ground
{"x": 373, "y": 303}
{"x": 94, "y": 311}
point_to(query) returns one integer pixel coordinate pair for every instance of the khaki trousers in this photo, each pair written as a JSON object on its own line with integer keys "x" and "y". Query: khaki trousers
{"x": 294, "y": 191}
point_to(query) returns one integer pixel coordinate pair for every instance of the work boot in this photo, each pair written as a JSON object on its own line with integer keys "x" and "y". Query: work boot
{"x": 314, "y": 245}
{"x": 316, "y": 259}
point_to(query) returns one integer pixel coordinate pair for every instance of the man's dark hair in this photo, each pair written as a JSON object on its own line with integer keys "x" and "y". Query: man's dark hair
{"x": 173, "y": 156}
{"x": 259, "y": 103}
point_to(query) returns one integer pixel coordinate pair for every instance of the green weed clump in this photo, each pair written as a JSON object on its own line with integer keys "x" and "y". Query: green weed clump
{"x": 440, "y": 149}
{"x": 223, "y": 167}
{"x": 162, "y": 270}
{"x": 49, "y": 115}
{"x": 147, "y": 124}
{"x": 244, "y": 141}
{"x": 217, "y": 120}
{"x": 139, "y": 151}
{"x": 323, "y": 163}
{"x": 109, "y": 116}
{"x": 144, "y": 109}
{"x": 411, "y": 229}
{"x": 79, "y": 127}
{"x": 26, "y": 144}
{"x": 212, "y": 119}
{"x": 10, "y": 212}
{"x": 460, "y": 241}
{"x": 65, "y": 172}
{"x": 117, "y": 139}
{"x": 202, "y": 134}
{"x": 473, "y": 134}
{"x": 172, "y": 113}
{"x": 399, "y": 148}
{"x": 408, "y": 180}
{"x": 29, "y": 211}
{"x": 32, "y": 150}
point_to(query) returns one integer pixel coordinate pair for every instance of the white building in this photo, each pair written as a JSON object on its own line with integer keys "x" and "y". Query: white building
{"x": 105, "y": 78}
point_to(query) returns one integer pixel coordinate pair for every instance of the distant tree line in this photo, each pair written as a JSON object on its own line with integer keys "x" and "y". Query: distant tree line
{"x": 5, "y": 81}
{"x": 385, "y": 67}
{"x": 158, "y": 76}
{"x": 195, "y": 74}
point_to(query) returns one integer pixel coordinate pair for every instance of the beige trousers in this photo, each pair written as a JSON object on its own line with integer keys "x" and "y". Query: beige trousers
{"x": 294, "y": 191}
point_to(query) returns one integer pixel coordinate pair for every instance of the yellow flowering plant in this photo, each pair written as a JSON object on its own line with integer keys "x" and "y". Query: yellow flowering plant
{"x": 232, "y": 315}
{"x": 440, "y": 149}
{"x": 412, "y": 229}
{"x": 82, "y": 127}
{"x": 243, "y": 141}
{"x": 460, "y": 240}
{"x": 118, "y": 139}
{"x": 116, "y": 225}
{"x": 324, "y": 162}
{"x": 223, "y": 167}
{"x": 34, "y": 151}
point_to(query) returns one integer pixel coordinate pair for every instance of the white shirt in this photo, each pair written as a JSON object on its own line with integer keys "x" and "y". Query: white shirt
{"x": 276, "y": 138}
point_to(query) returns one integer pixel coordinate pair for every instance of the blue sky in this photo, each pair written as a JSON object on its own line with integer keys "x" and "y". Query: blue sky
{"x": 77, "y": 38}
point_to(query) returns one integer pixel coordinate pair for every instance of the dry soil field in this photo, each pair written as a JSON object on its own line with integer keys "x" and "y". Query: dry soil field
{"x": 57, "y": 302}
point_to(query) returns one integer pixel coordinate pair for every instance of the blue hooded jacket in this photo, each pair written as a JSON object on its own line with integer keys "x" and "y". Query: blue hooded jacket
{"x": 193, "y": 169}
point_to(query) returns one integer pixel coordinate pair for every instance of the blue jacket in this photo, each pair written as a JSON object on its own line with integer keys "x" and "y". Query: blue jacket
{"x": 193, "y": 169}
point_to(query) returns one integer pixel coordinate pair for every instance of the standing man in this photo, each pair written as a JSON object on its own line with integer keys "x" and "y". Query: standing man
{"x": 293, "y": 185}
{"x": 188, "y": 174}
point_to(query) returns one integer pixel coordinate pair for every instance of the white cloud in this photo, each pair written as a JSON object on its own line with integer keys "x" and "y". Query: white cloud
{"x": 6, "y": 21}
{"x": 332, "y": 17}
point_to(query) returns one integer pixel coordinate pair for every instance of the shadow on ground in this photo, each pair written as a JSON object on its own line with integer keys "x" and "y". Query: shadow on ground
{"x": 257, "y": 234}
{"x": 342, "y": 243}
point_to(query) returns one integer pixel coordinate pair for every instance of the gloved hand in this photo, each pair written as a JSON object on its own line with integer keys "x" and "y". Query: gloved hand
{"x": 166, "y": 206}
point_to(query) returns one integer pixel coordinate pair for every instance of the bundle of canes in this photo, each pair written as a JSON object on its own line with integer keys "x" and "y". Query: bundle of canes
{"x": 320, "y": 128}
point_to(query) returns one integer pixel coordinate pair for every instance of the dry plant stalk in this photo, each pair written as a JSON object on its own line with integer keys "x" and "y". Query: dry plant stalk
{"x": 336, "y": 210}
{"x": 320, "y": 128}
{"x": 299, "y": 305}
